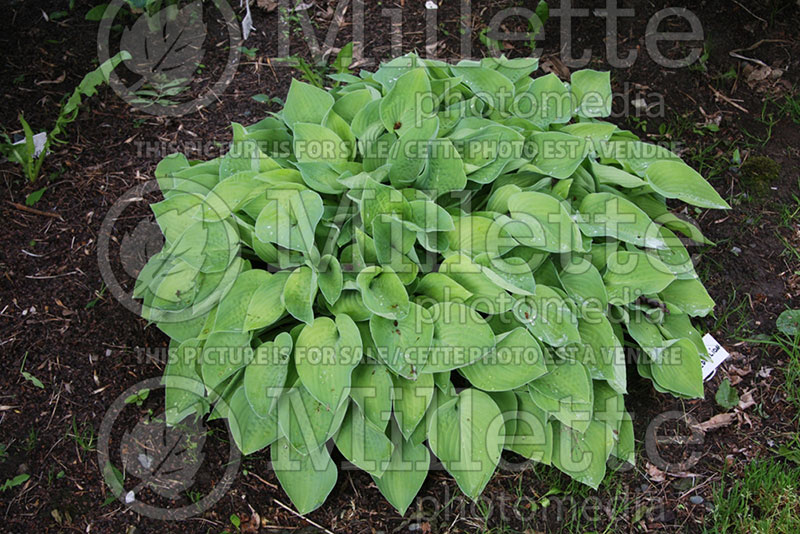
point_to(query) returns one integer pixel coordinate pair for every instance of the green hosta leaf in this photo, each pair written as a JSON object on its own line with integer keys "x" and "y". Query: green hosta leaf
{"x": 594, "y": 132}
{"x": 306, "y": 103}
{"x": 305, "y": 422}
{"x": 207, "y": 246}
{"x": 460, "y": 337}
{"x": 635, "y": 156}
{"x": 583, "y": 455}
{"x": 487, "y": 296}
{"x": 630, "y": 275}
{"x": 506, "y": 401}
{"x": 371, "y": 389}
{"x": 584, "y": 284}
{"x": 325, "y": 355}
{"x": 234, "y": 309}
{"x": 266, "y": 305}
{"x": 383, "y": 292}
{"x": 646, "y": 334}
{"x": 606, "y": 174}
{"x": 348, "y": 105}
{"x": 250, "y": 431}
{"x": 266, "y": 373}
{"x": 480, "y": 235}
{"x": 566, "y": 393}
{"x": 549, "y": 101}
{"x": 313, "y": 142}
{"x": 299, "y": 292}
{"x": 350, "y": 303}
{"x": 675, "y": 179}
{"x": 466, "y": 434}
{"x": 592, "y": 91}
{"x": 675, "y": 256}
{"x": 405, "y": 472}
{"x": 606, "y": 214}
{"x": 516, "y": 360}
{"x": 363, "y": 443}
{"x": 545, "y": 224}
{"x": 330, "y": 278}
{"x": 406, "y": 157}
{"x": 401, "y": 108}
{"x": 182, "y": 384}
{"x": 511, "y": 273}
{"x": 548, "y": 317}
{"x": 625, "y": 447}
{"x": 487, "y": 84}
{"x": 411, "y": 399}
{"x": 690, "y": 296}
{"x": 675, "y": 326}
{"x": 444, "y": 171}
{"x": 306, "y": 479}
{"x": 601, "y": 352}
{"x": 678, "y": 370}
{"x": 558, "y": 154}
{"x": 224, "y": 353}
{"x": 533, "y": 433}
{"x": 403, "y": 344}
{"x": 442, "y": 288}
{"x": 289, "y": 219}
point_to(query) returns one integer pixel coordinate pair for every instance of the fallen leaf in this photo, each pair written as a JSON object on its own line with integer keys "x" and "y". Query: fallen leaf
{"x": 740, "y": 371}
{"x": 554, "y": 65}
{"x": 57, "y": 80}
{"x": 746, "y": 401}
{"x": 718, "y": 421}
{"x": 269, "y": 5}
{"x": 252, "y": 524}
{"x": 654, "y": 473}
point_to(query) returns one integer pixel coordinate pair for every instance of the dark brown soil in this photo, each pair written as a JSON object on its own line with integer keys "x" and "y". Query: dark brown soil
{"x": 86, "y": 348}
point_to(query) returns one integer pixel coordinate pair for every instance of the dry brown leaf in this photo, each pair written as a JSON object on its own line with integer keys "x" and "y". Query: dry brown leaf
{"x": 746, "y": 401}
{"x": 740, "y": 371}
{"x": 718, "y": 421}
{"x": 252, "y": 525}
{"x": 269, "y": 5}
{"x": 554, "y": 65}
{"x": 654, "y": 473}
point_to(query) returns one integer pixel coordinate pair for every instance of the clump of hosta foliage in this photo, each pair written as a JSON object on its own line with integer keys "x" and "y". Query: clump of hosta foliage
{"x": 428, "y": 258}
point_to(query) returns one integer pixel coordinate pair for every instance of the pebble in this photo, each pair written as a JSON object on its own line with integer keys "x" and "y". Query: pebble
{"x": 696, "y": 499}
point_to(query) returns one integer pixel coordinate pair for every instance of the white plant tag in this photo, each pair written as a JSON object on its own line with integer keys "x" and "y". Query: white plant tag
{"x": 717, "y": 354}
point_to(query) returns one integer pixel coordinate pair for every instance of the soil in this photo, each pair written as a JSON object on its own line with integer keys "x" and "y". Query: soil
{"x": 59, "y": 324}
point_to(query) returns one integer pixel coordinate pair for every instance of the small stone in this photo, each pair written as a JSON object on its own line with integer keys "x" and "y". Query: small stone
{"x": 696, "y": 499}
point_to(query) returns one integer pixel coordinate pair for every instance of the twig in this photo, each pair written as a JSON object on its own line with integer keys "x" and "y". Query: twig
{"x": 753, "y": 14}
{"x": 733, "y": 53}
{"x": 726, "y": 99}
{"x": 750, "y": 59}
{"x": 36, "y": 277}
{"x": 310, "y": 522}
{"x": 23, "y": 207}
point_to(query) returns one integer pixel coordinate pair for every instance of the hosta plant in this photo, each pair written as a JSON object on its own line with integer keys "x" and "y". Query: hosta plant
{"x": 428, "y": 258}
